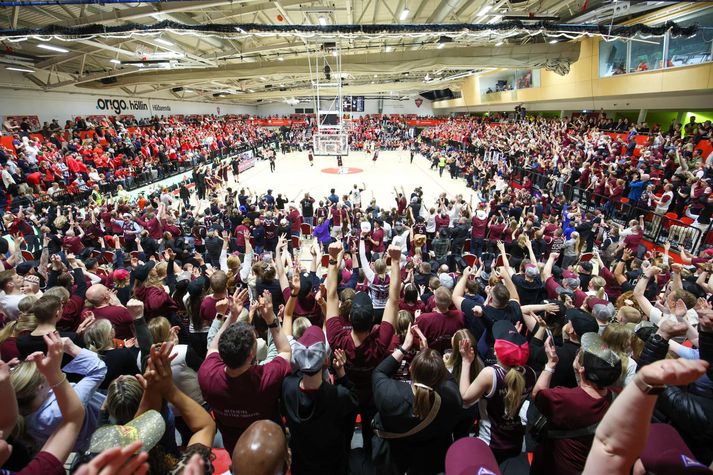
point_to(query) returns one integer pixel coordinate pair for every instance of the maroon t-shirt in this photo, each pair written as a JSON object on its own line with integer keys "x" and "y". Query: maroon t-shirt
{"x": 44, "y": 463}
{"x": 378, "y": 236}
{"x": 438, "y": 328}
{"x": 73, "y": 244}
{"x": 208, "y": 311}
{"x": 362, "y": 359}
{"x": 8, "y": 349}
{"x": 496, "y": 232}
{"x": 306, "y": 307}
{"x": 157, "y": 303}
{"x": 238, "y": 402}
{"x": 71, "y": 314}
{"x": 120, "y": 319}
{"x": 480, "y": 227}
{"x": 632, "y": 241}
{"x": 566, "y": 409}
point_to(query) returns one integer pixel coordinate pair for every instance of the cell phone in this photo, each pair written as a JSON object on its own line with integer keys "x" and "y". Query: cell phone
{"x": 549, "y": 333}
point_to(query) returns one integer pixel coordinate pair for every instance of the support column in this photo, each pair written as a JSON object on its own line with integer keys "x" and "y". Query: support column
{"x": 642, "y": 115}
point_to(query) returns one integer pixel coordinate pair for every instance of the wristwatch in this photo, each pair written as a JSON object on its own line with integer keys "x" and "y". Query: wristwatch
{"x": 275, "y": 324}
{"x": 646, "y": 388}
{"x": 332, "y": 262}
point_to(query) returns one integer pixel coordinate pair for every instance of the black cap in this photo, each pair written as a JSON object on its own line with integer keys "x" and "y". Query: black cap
{"x": 196, "y": 287}
{"x": 24, "y": 268}
{"x": 581, "y": 321}
{"x": 141, "y": 273}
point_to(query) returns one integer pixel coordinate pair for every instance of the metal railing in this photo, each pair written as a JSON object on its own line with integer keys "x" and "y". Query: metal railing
{"x": 658, "y": 227}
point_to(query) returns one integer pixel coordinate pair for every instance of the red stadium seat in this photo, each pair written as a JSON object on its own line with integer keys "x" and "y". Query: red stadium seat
{"x": 295, "y": 242}
{"x": 306, "y": 229}
{"x": 469, "y": 259}
{"x": 27, "y": 255}
{"x": 108, "y": 257}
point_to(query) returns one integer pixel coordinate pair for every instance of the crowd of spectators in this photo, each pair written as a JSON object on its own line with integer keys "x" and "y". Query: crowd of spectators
{"x": 432, "y": 333}
{"x": 122, "y": 153}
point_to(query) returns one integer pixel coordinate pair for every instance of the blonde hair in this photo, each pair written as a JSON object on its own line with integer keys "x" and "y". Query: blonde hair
{"x": 26, "y": 380}
{"x": 454, "y": 360}
{"x": 233, "y": 270}
{"x": 597, "y": 284}
{"x": 380, "y": 266}
{"x": 156, "y": 275}
{"x": 515, "y": 382}
{"x": 97, "y": 337}
{"x": 26, "y": 322}
{"x": 160, "y": 329}
{"x": 630, "y": 314}
{"x": 618, "y": 337}
{"x": 403, "y": 319}
{"x": 299, "y": 325}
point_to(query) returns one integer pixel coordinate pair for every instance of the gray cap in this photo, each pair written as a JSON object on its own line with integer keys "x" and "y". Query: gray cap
{"x": 603, "y": 313}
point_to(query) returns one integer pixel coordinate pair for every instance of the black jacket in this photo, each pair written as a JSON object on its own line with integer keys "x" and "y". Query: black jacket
{"x": 320, "y": 424}
{"x": 689, "y": 413}
{"x": 424, "y": 452}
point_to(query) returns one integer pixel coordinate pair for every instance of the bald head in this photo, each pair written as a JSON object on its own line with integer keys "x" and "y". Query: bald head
{"x": 98, "y": 294}
{"x": 261, "y": 450}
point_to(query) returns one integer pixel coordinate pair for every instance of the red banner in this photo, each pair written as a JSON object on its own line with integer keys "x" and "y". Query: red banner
{"x": 424, "y": 122}
{"x": 279, "y": 122}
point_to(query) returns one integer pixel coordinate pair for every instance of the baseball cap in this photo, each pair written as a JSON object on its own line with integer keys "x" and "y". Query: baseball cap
{"x": 24, "y": 268}
{"x": 195, "y": 288}
{"x": 581, "y": 321}
{"x": 446, "y": 281}
{"x": 531, "y": 271}
{"x": 471, "y": 456}
{"x": 365, "y": 226}
{"x": 592, "y": 301}
{"x": 603, "y": 312}
{"x": 511, "y": 348}
{"x": 142, "y": 272}
{"x": 361, "y": 305}
{"x": 310, "y": 350}
{"x": 666, "y": 452}
{"x": 120, "y": 274}
{"x": 148, "y": 428}
{"x": 601, "y": 365}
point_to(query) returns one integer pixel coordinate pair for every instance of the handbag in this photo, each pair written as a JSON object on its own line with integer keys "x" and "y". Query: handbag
{"x": 380, "y": 448}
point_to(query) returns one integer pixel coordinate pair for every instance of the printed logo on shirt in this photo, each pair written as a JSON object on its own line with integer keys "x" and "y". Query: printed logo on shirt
{"x": 688, "y": 462}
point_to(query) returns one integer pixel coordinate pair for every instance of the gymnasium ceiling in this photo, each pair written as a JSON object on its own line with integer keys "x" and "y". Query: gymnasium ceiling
{"x": 256, "y": 68}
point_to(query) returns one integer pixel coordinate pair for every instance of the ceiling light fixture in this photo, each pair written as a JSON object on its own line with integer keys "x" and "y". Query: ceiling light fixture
{"x": 251, "y": 90}
{"x": 163, "y": 42}
{"x": 441, "y": 45}
{"x": 188, "y": 90}
{"x": 115, "y": 61}
{"x": 322, "y": 21}
{"x": 553, "y": 41}
{"x": 388, "y": 49}
{"x": 20, "y": 70}
{"x": 404, "y": 14}
{"x": 484, "y": 11}
{"x": 499, "y": 43}
{"x": 280, "y": 58}
{"x": 52, "y": 48}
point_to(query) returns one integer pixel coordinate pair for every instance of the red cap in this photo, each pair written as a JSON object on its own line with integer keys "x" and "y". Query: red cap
{"x": 120, "y": 274}
{"x": 471, "y": 456}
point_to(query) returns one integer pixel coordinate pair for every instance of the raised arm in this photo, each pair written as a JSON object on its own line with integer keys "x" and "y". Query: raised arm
{"x": 279, "y": 265}
{"x": 471, "y": 392}
{"x": 368, "y": 272}
{"x": 640, "y": 289}
{"x": 284, "y": 350}
{"x": 61, "y": 442}
{"x": 392, "y": 304}
{"x": 459, "y": 290}
{"x": 547, "y": 271}
{"x": 336, "y": 252}
{"x": 291, "y": 302}
{"x": 623, "y": 432}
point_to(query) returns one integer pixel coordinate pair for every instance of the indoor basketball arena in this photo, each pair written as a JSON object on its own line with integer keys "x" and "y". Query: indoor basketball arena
{"x": 424, "y": 237}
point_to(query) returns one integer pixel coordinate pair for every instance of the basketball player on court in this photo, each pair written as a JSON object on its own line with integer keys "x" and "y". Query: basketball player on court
{"x": 311, "y": 158}
{"x": 376, "y": 155}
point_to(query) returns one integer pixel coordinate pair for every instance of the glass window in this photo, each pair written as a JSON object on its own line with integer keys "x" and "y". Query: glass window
{"x": 684, "y": 51}
{"x": 646, "y": 54}
{"x": 612, "y": 58}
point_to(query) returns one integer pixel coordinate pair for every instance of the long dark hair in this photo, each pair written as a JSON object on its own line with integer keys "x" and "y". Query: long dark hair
{"x": 428, "y": 372}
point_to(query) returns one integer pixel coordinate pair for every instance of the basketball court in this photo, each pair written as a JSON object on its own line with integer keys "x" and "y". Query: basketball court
{"x": 294, "y": 176}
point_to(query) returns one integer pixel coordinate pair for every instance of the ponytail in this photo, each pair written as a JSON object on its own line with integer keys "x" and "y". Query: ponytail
{"x": 423, "y": 399}
{"x": 515, "y": 383}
